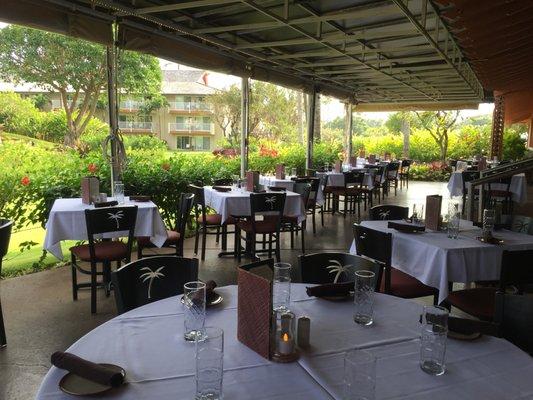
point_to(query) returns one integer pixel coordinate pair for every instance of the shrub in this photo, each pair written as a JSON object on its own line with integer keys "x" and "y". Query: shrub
{"x": 19, "y": 115}
{"x": 514, "y": 145}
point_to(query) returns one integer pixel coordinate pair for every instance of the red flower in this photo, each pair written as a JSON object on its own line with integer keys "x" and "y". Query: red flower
{"x": 25, "y": 181}
{"x": 165, "y": 166}
{"x": 92, "y": 167}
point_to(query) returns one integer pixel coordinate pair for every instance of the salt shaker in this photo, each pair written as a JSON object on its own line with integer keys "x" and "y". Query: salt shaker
{"x": 304, "y": 332}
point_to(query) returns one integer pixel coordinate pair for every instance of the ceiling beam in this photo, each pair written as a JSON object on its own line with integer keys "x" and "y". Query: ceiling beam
{"x": 182, "y": 6}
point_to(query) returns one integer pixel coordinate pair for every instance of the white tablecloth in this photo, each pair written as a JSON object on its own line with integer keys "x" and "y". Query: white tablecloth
{"x": 67, "y": 222}
{"x": 435, "y": 259}
{"x": 237, "y": 202}
{"x": 518, "y": 186}
{"x": 148, "y": 343}
{"x": 289, "y": 185}
{"x": 337, "y": 179}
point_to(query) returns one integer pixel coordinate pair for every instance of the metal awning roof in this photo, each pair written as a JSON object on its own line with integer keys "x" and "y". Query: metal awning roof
{"x": 371, "y": 52}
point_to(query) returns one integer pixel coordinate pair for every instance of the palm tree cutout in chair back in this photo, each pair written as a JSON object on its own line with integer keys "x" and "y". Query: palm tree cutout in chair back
{"x": 521, "y": 226}
{"x": 117, "y": 217}
{"x": 271, "y": 201}
{"x": 337, "y": 268}
{"x": 384, "y": 214}
{"x": 150, "y": 276}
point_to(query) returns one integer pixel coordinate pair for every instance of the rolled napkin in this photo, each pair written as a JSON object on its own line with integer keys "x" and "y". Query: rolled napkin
{"x": 277, "y": 189}
{"x": 140, "y": 198}
{"x": 101, "y": 204}
{"x": 222, "y": 188}
{"x": 406, "y": 228}
{"x": 330, "y": 289}
{"x": 87, "y": 369}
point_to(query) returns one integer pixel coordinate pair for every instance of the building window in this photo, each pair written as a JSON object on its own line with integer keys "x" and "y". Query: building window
{"x": 194, "y": 143}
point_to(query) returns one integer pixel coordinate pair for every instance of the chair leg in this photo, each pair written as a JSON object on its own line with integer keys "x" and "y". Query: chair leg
{"x": 139, "y": 251}
{"x": 252, "y": 248}
{"x": 93, "y": 288}
{"x": 303, "y": 236}
{"x": 322, "y": 215}
{"x": 204, "y": 242}
{"x": 292, "y": 237}
{"x": 196, "y": 239}
{"x": 3, "y": 339}
{"x": 278, "y": 252}
{"x": 264, "y": 241}
{"x": 314, "y": 221}
{"x": 269, "y": 245}
{"x": 237, "y": 246}
{"x": 74, "y": 278}
{"x": 218, "y": 235}
{"x": 106, "y": 277}
{"x": 224, "y": 237}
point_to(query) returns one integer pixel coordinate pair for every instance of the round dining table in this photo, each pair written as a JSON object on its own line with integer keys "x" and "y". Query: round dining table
{"x": 148, "y": 343}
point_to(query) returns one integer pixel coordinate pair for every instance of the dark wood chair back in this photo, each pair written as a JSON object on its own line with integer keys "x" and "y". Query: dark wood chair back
{"x": 109, "y": 220}
{"x": 405, "y": 166}
{"x": 313, "y": 190}
{"x": 388, "y": 212}
{"x": 223, "y": 182}
{"x": 267, "y": 204}
{"x": 150, "y": 279}
{"x": 354, "y": 179}
{"x": 517, "y": 269}
{"x": 320, "y": 268}
{"x": 522, "y": 224}
{"x": 200, "y": 210}
{"x": 514, "y": 315}
{"x": 304, "y": 190}
{"x": 392, "y": 170}
{"x": 185, "y": 205}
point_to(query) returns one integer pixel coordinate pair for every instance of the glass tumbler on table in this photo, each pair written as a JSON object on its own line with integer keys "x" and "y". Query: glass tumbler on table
{"x": 210, "y": 364}
{"x": 281, "y": 287}
{"x": 488, "y": 223}
{"x": 363, "y": 299}
{"x": 454, "y": 218}
{"x": 194, "y": 307}
{"x": 118, "y": 192}
{"x": 433, "y": 340}
{"x": 359, "y": 375}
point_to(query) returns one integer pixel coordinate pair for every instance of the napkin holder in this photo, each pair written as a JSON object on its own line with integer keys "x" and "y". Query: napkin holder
{"x": 352, "y": 161}
{"x": 254, "y": 307}
{"x": 252, "y": 180}
{"x": 338, "y": 166}
{"x": 372, "y": 159}
{"x": 280, "y": 171}
{"x": 90, "y": 189}
{"x": 362, "y": 153}
{"x": 482, "y": 164}
{"x": 433, "y": 209}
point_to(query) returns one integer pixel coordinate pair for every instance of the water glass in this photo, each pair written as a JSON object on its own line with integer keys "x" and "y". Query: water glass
{"x": 433, "y": 340}
{"x": 294, "y": 172}
{"x": 194, "y": 305}
{"x": 488, "y": 223}
{"x": 359, "y": 375}
{"x": 364, "y": 297}
{"x": 418, "y": 213}
{"x": 210, "y": 364}
{"x": 454, "y": 219}
{"x": 281, "y": 287}
{"x": 118, "y": 192}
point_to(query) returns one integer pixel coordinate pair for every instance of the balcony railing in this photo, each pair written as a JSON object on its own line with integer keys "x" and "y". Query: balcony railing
{"x": 183, "y": 126}
{"x": 130, "y": 105}
{"x": 189, "y": 106}
{"x": 57, "y": 103}
{"x": 135, "y": 126}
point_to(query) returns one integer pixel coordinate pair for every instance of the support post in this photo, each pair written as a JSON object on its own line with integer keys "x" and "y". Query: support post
{"x": 498, "y": 121}
{"x": 310, "y": 129}
{"x": 348, "y": 125}
{"x": 113, "y": 113}
{"x": 245, "y": 123}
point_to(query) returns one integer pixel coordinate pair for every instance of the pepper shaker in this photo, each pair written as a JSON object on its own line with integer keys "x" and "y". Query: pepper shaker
{"x": 304, "y": 332}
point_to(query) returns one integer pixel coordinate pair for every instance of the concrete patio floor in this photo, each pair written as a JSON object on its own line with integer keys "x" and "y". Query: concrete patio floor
{"x": 41, "y": 317}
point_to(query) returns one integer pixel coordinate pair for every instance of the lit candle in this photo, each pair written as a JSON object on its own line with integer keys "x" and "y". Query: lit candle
{"x": 285, "y": 344}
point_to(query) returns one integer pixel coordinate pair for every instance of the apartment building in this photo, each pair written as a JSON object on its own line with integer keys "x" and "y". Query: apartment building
{"x": 186, "y": 124}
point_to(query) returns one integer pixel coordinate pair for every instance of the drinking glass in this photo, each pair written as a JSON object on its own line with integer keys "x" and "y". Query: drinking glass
{"x": 294, "y": 172}
{"x": 418, "y": 213}
{"x": 454, "y": 218}
{"x": 209, "y": 364}
{"x": 364, "y": 297}
{"x": 488, "y": 223}
{"x": 194, "y": 304}
{"x": 359, "y": 375}
{"x": 433, "y": 340}
{"x": 281, "y": 288}
{"x": 119, "y": 192}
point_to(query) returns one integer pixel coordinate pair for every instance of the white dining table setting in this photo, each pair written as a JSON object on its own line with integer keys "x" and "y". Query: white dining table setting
{"x": 236, "y": 202}
{"x": 67, "y": 222}
{"x": 288, "y": 184}
{"x": 148, "y": 343}
{"x": 337, "y": 178}
{"x": 435, "y": 259}
{"x": 518, "y": 186}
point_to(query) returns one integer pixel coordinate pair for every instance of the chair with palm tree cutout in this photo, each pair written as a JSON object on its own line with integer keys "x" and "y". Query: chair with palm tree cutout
{"x": 333, "y": 267}
{"x": 150, "y": 279}
{"x": 388, "y": 213}
{"x": 5, "y": 235}
{"x": 103, "y": 221}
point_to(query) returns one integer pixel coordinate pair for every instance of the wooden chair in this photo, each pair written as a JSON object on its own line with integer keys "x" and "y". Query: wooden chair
{"x": 320, "y": 268}
{"x": 175, "y": 236}
{"x": 391, "y": 176}
{"x": 102, "y": 221}
{"x": 378, "y": 246}
{"x": 514, "y": 315}
{"x": 205, "y": 222}
{"x": 311, "y": 204}
{"x": 379, "y": 180}
{"x": 468, "y": 176}
{"x": 291, "y": 223}
{"x": 352, "y": 192}
{"x": 151, "y": 279}
{"x": 388, "y": 213}
{"x": 496, "y": 195}
{"x": 517, "y": 271}
{"x": 404, "y": 175}
{"x": 5, "y": 235}
{"x": 522, "y": 224}
{"x": 269, "y": 206}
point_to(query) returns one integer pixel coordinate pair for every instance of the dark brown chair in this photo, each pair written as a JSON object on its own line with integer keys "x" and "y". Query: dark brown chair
{"x": 103, "y": 221}
{"x": 206, "y": 221}
{"x": 468, "y": 176}
{"x": 404, "y": 175}
{"x": 352, "y": 192}
{"x": 392, "y": 176}
{"x": 517, "y": 271}
{"x": 321, "y": 268}
{"x": 514, "y": 315}
{"x": 291, "y": 223}
{"x": 388, "y": 213}
{"x": 150, "y": 279}
{"x": 175, "y": 236}
{"x": 495, "y": 195}
{"x": 311, "y": 204}
{"x": 5, "y": 235}
{"x": 270, "y": 206}
{"x": 378, "y": 246}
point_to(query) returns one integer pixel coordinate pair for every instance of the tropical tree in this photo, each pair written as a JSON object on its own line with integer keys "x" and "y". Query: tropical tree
{"x": 402, "y": 122}
{"x": 439, "y": 124}
{"x": 76, "y": 69}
